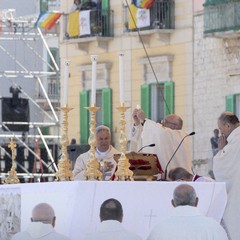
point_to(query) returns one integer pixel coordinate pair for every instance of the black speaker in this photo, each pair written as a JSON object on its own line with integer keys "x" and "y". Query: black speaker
{"x": 15, "y": 110}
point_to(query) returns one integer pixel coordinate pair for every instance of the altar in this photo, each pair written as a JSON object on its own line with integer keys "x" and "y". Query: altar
{"x": 77, "y": 204}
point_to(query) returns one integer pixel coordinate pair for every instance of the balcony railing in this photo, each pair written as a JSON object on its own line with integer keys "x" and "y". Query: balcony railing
{"x": 161, "y": 16}
{"x": 100, "y": 23}
{"x": 221, "y": 17}
{"x": 53, "y": 90}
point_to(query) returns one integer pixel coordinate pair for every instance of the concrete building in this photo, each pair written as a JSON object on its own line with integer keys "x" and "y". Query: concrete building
{"x": 216, "y": 71}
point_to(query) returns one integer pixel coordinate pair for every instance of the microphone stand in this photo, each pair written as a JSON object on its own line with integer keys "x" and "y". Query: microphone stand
{"x": 165, "y": 172}
{"x": 49, "y": 166}
{"x": 150, "y": 145}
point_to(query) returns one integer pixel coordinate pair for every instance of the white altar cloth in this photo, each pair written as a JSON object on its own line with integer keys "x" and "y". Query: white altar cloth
{"x": 77, "y": 204}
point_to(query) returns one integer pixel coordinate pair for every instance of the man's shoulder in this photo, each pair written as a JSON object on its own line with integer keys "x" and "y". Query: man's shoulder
{"x": 21, "y": 236}
{"x": 83, "y": 155}
{"x": 132, "y": 235}
{"x": 59, "y": 236}
{"x": 114, "y": 150}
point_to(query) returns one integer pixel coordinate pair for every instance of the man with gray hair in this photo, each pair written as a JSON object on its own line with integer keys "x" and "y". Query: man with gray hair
{"x": 42, "y": 225}
{"x": 104, "y": 154}
{"x": 186, "y": 222}
{"x": 226, "y": 168}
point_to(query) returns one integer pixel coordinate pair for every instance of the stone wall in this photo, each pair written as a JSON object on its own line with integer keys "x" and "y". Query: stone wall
{"x": 216, "y": 75}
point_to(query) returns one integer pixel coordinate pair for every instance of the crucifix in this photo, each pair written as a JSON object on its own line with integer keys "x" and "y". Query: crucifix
{"x": 12, "y": 177}
{"x": 150, "y": 215}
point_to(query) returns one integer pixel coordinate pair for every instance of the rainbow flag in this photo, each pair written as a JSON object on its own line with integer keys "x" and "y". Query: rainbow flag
{"x": 47, "y": 19}
{"x": 143, "y": 3}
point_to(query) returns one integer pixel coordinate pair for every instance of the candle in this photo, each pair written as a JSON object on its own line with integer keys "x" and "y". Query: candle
{"x": 94, "y": 78}
{"x": 121, "y": 83}
{"x": 65, "y": 95}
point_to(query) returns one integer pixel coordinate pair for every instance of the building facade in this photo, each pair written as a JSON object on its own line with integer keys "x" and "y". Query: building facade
{"x": 216, "y": 70}
{"x": 158, "y": 63}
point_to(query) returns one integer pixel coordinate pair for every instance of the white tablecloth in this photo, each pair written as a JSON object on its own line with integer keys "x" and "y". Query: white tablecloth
{"x": 144, "y": 204}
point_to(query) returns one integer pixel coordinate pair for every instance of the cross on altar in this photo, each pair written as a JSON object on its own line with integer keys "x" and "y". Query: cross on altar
{"x": 12, "y": 174}
{"x": 151, "y": 215}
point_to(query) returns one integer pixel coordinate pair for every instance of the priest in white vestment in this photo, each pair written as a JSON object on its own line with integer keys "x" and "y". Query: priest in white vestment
{"x": 166, "y": 137}
{"x": 111, "y": 228}
{"x": 186, "y": 222}
{"x": 226, "y": 168}
{"x": 41, "y": 226}
{"x": 104, "y": 154}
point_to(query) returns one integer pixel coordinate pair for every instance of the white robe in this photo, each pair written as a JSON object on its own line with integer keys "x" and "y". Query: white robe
{"x": 186, "y": 223}
{"x": 81, "y": 163}
{"x": 40, "y": 231}
{"x": 112, "y": 230}
{"x": 166, "y": 142}
{"x": 226, "y": 168}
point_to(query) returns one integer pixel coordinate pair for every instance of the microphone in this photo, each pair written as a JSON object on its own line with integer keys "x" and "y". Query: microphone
{"x": 165, "y": 172}
{"x": 150, "y": 145}
{"x": 49, "y": 166}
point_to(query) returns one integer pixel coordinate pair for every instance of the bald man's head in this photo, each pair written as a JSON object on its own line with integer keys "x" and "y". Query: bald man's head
{"x": 173, "y": 121}
{"x": 44, "y": 213}
{"x": 184, "y": 195}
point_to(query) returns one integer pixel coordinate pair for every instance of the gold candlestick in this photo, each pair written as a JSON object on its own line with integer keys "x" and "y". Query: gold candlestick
{"x": 64, "y": 165}
{"x": 92, "y": 168}
{"x": 123, "y": 173}
{"x": 12, "y": 177}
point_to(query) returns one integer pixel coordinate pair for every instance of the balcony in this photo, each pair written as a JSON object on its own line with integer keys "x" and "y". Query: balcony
{"x": 222, "y": 18}
{"x": 161, "y": 19}
{"x": 97, "y": 26}
{"x": 53, "y": 91}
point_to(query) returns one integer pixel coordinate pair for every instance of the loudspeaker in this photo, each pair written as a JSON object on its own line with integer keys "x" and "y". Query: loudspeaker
{"x": 15, "y": 110}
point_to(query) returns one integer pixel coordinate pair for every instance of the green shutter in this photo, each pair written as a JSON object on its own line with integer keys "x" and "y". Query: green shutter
{"x": 169, "y": 98}
{"x": 231, "y": 103}
{"x": 145, "y": 99}
{"x": 107, "y": 107}
{"x": 84, "y": 117}
{"x": 106, "y": 17}
{"x": 43, "y": 5}
{"x": 45, "y": 130}
{"x": 84, "y": 1}
{"x": 105, "y": 5}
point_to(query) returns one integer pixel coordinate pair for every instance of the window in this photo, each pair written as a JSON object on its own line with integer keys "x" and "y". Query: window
{"x": 157, "y": 100}
{"x": 233, "y": 104}
{"x": 53, "y": 81}
{"x": 103, "y": 116}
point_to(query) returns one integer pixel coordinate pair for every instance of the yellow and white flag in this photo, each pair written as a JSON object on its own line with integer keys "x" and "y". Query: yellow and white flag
{"x": 85, "y": 28}
{"x": 73, "y": 24}
{"x": 139, "y": 17}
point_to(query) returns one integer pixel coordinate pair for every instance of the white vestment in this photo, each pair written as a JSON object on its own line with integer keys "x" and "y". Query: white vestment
{"x": 186, "y": 223}
{"x": 112, "y": 230}
{"x": 197, "y": 178}
{"x": 166, "y": 142}
{"x": 226, "y": 168}
{"x": 81, "y": 163}
{"x": 40, "y": 231}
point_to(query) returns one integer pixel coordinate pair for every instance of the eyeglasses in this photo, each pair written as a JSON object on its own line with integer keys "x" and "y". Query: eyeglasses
{"x": 167, "y": 122}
